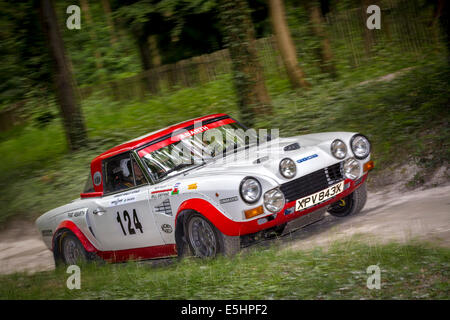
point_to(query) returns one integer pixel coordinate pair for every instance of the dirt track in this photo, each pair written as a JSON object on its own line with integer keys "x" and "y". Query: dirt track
{"x": 388, "y": 216}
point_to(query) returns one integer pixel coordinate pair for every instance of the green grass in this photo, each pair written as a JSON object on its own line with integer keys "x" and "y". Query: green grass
{"x": 413, "y": 271}
{"x": 406, "y": 118}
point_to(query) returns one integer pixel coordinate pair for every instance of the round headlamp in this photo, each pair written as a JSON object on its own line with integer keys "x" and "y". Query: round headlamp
{"x": 274, "y": 200}
{"x": 288, "y": 169}
{"x": 352, "y": 168}
{"x": 360, "y": 146}
{"x": 338, "y": 149}
{"x": 250, "y": 190}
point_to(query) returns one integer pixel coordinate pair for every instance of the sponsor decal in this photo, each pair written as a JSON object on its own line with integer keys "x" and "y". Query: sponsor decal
{"x": 167, "y": 228}
{"x": 97, "y": 178}
{"x": 289, "y": 211}
{"x": 175, "y": 189}
{"x": 193, "y": 132}
{"x": 122, "y": 201}
{"x": 161, "y": 193}
{"x": 76, "y": 213}
{"x": 307, "y": 158}
{"x": 226, "y": 200}
{"x": 126, "y": 193}
{"x": 192, "y": 186}
{"x": 164, "y": 208}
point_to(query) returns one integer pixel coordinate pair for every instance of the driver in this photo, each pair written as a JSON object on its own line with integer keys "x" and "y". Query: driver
{"x": 138, "y": 175}
{"x": 125, "y": 179}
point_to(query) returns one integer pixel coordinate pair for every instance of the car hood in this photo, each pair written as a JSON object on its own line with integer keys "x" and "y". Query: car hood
{"x": 264, "y": 160}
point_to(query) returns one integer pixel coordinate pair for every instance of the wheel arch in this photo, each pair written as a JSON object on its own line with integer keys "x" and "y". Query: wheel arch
{"x": 65, "y": 227}
{"x": 210, "y": 212}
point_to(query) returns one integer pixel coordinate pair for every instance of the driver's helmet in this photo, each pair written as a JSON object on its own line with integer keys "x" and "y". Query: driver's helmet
{"x": 125, "y": 165}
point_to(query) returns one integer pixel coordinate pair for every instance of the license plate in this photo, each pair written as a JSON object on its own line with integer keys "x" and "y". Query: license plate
{"x": 325, "y": 194}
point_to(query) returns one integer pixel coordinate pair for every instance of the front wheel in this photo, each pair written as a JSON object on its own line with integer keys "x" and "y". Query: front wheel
{"x": 351, "y": 204}
{"x": 206, "y": 241}
{"x": 72, "y": 251}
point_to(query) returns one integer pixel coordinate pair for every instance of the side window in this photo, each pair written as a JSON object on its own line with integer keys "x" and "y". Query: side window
{"x": 122, "y": 172}
{"x": 118, "y": 173}
{"x": 89, "y": 186}
{"x": 139, "y": 177}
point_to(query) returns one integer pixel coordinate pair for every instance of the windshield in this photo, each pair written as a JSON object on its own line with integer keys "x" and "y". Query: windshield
{"x": 193, "y": 148}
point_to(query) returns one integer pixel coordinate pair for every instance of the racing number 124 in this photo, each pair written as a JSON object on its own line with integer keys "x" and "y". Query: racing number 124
{"x": 127, "y": 218}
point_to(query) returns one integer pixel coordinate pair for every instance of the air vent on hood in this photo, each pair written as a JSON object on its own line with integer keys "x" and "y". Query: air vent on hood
{"x": 265, "y": 158}
{"x": 293, "y": 146}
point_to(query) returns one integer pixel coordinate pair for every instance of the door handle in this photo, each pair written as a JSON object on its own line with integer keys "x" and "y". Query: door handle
{"x": 99, "y": 211}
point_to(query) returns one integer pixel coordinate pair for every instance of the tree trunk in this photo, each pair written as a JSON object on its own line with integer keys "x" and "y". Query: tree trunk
{"x": 70, "y": 110}
{"x": 153, "y": 44}
{"x": 248, "y": 77}
{"x": 86, "y": 11}
{"x": 144, "y": 52}
{"x": 146, "y": 61}
{"x": 367, "y": 33}
{"x": 324, "y": 52}
{"x": 286, "y": 45}
{"x": 110, "y": 21}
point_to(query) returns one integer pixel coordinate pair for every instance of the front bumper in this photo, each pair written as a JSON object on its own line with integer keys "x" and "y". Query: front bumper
{"x": 288, "y": 212}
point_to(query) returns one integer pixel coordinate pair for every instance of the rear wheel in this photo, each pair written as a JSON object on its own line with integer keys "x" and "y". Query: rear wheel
{"x": 351, "y": 204}
{"x": 206, "y": 241}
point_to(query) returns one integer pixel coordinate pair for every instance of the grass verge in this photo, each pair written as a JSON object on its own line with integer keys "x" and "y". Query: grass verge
{"x": 412, "y": 271}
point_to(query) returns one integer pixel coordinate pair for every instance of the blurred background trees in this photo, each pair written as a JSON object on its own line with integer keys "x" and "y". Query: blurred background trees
{"x": 248, "y": 76}
{"x": 135, "y": 49}
{"x": 301, "y": 66}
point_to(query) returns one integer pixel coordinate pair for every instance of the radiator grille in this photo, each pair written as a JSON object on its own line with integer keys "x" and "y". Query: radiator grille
{"x": 313, "y": 182}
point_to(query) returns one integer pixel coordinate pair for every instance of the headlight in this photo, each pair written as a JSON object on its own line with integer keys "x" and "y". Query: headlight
{"x": 360, "y": 146}
{"x": 352, "y": 168}
{"x": 288, "y": 169}
{"x": 274, "y": 200}
{"x": 338, "y": 149}
{"x": 250, "y": 190}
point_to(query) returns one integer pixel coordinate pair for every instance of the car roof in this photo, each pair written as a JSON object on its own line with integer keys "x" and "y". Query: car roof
{"x": 145, "y": 139}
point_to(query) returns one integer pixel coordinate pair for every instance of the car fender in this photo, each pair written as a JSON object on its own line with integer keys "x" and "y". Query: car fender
{"x": 71, "y": 226}
{"x": 213, "y": 214}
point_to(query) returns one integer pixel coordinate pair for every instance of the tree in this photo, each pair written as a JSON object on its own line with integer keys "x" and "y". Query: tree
{"x": 70, "y": 110}
{"x": 324, "y": 51}
{"x": 107, "y": 9}
{"x": 286, "y": 45}
{"x": 367, "y": 33}
{"x": 87, "y": 14}
{"x": 248, "y": 77}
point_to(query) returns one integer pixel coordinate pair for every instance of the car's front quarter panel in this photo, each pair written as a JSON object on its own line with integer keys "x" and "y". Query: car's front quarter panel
{"x": 76, "y": 212}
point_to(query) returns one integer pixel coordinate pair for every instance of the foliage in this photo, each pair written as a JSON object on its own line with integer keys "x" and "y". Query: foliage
{"x": 406, "y": 118}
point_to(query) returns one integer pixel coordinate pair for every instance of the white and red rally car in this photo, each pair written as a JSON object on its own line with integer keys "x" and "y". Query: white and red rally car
{"x": 204, "y": 187}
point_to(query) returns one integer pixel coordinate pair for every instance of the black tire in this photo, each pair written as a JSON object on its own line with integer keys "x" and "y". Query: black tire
{"x": 351, "y": 204}
{"x": 72, "y": 251}
{"x": 206, "y": 241}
